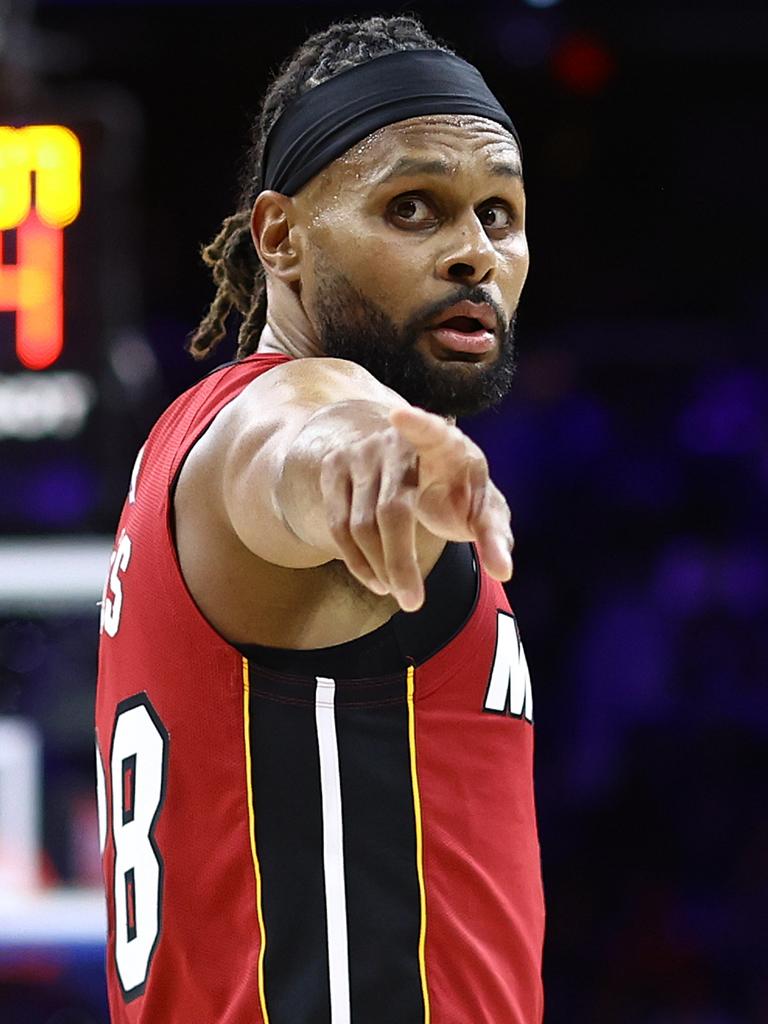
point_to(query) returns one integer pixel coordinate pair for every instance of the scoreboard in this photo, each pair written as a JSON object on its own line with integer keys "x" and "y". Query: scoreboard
{"x": 69, "y": 301}
{"x": 40, "y": 191}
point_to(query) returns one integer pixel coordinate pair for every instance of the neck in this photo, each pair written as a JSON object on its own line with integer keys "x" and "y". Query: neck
{"x": 287, "y": 330}
{"x": 273, "y": 339}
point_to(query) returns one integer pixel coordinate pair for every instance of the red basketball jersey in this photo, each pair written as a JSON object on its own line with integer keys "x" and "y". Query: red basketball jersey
{"x": 296, "y": 849}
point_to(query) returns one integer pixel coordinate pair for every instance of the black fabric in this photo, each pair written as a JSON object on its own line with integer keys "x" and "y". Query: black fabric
{"x": 407, "y": 638}
{"x": 288, "y": 816}
{"x": 327, "y": 120}
{"x": 382, "y": 893}
{"x": 380, "y": 863}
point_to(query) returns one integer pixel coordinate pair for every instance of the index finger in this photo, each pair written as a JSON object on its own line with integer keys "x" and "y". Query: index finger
{"x": 423, "y": 429}
{"x": 493, "y": 535}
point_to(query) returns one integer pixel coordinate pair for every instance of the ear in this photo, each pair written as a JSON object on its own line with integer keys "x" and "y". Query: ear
{"x": 272, "y": 218}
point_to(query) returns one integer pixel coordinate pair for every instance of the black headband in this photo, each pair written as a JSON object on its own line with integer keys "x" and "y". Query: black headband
{"x": 325, "y": 121}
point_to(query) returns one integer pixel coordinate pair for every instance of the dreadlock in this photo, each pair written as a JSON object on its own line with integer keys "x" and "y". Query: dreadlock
{"x": 232, "y": 257}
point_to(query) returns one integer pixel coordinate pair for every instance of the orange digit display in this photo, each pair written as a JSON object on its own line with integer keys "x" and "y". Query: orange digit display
{"x": 33, "y": 287}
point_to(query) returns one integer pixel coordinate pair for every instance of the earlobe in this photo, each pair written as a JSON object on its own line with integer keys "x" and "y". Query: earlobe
{"x": 272, "y": 221}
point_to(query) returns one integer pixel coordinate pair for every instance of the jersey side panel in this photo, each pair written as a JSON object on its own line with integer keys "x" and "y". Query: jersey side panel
{"x": 184, "y": 935}
{"x": 481, "y": 862}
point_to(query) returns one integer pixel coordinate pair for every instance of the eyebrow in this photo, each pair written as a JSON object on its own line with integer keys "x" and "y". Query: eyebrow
{"x": 407, "y": 166}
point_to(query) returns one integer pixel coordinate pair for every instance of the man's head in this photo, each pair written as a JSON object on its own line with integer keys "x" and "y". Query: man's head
{"x": 406, "y": 253}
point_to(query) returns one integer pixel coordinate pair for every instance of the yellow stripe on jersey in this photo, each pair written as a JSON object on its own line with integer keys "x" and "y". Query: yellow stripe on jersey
{"x": 419, "y": 846}
{"x": 252, "y": 833}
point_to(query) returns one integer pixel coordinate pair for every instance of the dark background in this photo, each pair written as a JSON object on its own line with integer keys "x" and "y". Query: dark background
{"x": 633, "y": 449}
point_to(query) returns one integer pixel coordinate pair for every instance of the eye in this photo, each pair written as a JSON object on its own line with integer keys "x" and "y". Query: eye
{"x": 498, "y": 216}
{"x": 412, "y": 210}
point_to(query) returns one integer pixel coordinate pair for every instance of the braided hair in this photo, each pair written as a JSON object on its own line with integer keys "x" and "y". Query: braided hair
{"x": 232, "y": 257}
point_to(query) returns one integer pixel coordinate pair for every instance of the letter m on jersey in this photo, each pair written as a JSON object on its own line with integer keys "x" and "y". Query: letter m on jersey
{"x": 509, "y": 687}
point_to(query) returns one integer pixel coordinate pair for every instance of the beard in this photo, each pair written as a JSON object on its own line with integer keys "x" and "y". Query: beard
{"x": 354, "y": 328}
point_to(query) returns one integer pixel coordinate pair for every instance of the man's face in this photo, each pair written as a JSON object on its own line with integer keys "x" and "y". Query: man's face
{"x": 420, "y": 217}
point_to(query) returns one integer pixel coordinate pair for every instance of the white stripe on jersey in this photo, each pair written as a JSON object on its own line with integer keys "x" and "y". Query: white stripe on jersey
{"x": 333, "y": 850}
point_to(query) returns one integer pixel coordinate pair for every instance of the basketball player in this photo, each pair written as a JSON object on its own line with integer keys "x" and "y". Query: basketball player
{"x": 314, "y": 720}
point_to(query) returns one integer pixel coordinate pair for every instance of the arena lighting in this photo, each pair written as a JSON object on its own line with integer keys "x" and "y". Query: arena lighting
{"x": 20, "y": 810}
{"x": 583, "y": 64}
{"x": 74, "y": 917}
{"x": 52, "y": 405}
{"x": 41, "y": 575}
{"x": 40, "y": 194}
{"x": 29, "y": 915}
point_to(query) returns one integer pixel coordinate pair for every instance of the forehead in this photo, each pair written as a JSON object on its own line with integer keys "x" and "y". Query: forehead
{"x": 458, "y": 142}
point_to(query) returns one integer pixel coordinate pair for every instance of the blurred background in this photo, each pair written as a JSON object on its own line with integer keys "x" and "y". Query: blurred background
{"x": 633, "y": 451}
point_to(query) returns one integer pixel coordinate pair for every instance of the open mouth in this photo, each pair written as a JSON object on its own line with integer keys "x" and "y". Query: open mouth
{"x": 463, "y": 324}
{"x": 464, "y": 334}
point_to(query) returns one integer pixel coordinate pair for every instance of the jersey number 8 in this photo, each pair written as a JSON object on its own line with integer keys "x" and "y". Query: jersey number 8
{"x": 138, "y": 772}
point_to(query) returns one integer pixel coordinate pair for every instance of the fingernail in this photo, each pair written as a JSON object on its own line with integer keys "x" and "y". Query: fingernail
{"x": 411, "y": 600}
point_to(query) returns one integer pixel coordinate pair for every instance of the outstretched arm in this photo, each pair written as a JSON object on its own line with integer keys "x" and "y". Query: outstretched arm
{"x": 316, "y": 460}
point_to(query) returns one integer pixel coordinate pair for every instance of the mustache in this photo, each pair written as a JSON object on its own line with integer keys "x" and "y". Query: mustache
{"x": 429, "y": 314}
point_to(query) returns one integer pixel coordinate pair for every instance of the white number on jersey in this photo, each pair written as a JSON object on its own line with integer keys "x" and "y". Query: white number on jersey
{"x": 138, "y": 773}
{"x": 509, "y": 688}
{"x": 112, "y": 598}
{"x": 101, "y": 799}
{"x": 132, "y": 487}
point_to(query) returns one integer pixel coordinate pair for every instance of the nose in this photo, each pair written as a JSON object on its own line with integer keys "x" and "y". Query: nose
{"x": 470, "y": 257}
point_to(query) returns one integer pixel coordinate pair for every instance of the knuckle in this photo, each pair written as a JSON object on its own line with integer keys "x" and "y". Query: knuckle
{"x": 478, "y": 464}
{"x": 337, "y": 527}
{"x": 333, "y": 459}
{"x": 362, "y": 449}
{"x": 396, "y": 507}
{"x": 359, "y": 463}
{"x": 331, "y": 466}
{"x": 362, "y": 524}
{"x": 497, "y": 497}
{"x": 395, "y": 448}
{"x": 501, "y": 509}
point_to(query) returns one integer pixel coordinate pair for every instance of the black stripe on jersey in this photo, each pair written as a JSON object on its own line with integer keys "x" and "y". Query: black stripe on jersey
{"x": 289, "y": 843}
{"x": 380, "y": 870}
{"x": 383, "y": 898}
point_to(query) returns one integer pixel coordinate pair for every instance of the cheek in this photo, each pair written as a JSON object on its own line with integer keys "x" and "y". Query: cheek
{"x": 515, "y": 263}
{"x": 370, "y": 259}
{"x": 390, "y": 274}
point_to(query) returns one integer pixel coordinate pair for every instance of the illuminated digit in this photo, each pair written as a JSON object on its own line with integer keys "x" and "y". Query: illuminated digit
{"x": 15, "y": 190}
{"x": 138, "y": 767}
{"x": 52, "y": 152}
{"x": 33, "y": 287}
{"x": 34, "y": 290}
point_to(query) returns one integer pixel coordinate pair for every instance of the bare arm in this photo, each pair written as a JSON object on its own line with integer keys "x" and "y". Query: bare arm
{"x": 316, "y": 460}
